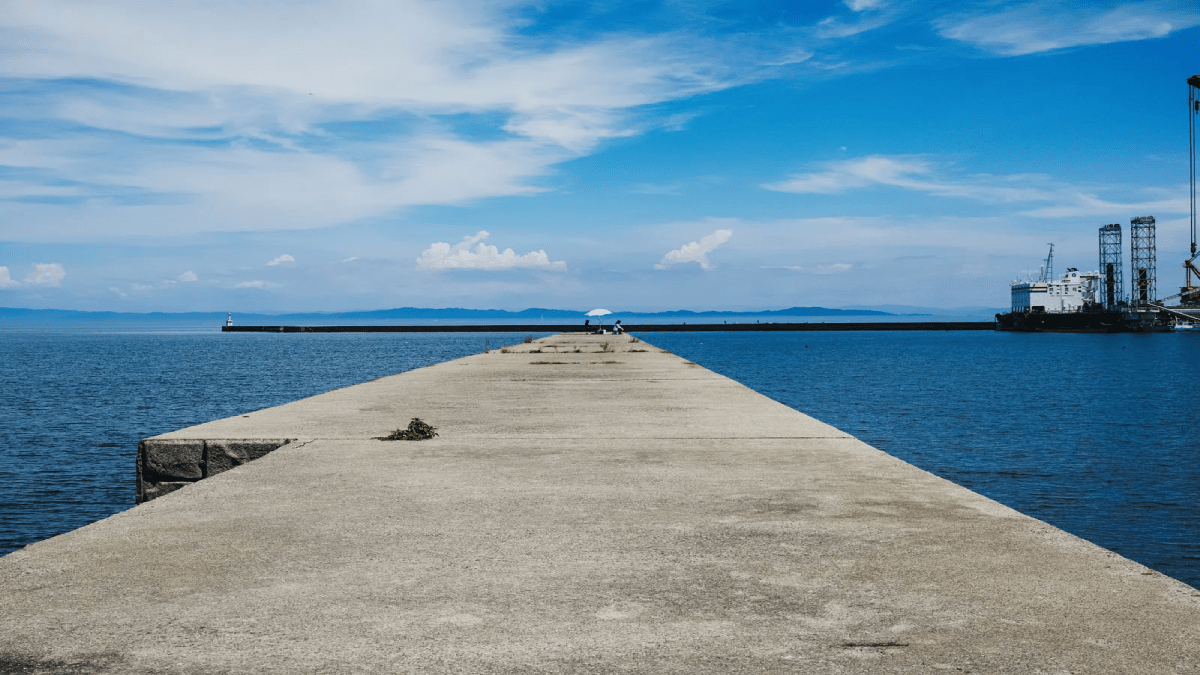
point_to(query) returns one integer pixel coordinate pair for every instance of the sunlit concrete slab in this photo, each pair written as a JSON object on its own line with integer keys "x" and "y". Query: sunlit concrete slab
{"x": 600, "y": 510}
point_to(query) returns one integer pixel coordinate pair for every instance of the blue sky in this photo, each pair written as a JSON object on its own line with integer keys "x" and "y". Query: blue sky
{"x": 323, "y": 156}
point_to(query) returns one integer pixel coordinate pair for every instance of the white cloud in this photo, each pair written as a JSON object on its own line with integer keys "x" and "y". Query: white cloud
{"x": 443, "y": 256}
{"x": 188, "y": 276}
{"x": 835, "y": 268}
{"x": 6, "y": 281}
{"x": 257, "y": 283}
{"x": 46, "y": 274}
{"x": 1083, "y": 204}
{"x": 285, "y": 258}
{"x": 922, "y": 175}
{"x": 696, "y": 251}
{"x": 836, "y": 28}
{"x": 1044, "y": 26}
{"x": 860, "y": 5}
{"x": 350, "y": 259}
{"x": 478, "y": 108}
{"x": 855, "y": 173}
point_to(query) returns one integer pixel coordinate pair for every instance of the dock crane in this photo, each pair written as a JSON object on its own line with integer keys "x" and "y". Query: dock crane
{"x": 1189, "y": 295}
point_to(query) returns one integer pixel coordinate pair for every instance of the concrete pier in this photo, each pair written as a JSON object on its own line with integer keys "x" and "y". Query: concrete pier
{"x": 590, "y": 505}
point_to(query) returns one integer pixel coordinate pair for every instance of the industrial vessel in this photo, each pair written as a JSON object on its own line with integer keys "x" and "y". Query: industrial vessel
{"x": 1070, "y": 304}
{"x": 1095, "y": 302}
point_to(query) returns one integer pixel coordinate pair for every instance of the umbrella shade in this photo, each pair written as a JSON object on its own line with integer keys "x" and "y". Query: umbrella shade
{"x": 598, "y": 312}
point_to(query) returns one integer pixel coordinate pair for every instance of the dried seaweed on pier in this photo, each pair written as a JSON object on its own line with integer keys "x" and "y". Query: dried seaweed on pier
{"x": 416, "y": 431}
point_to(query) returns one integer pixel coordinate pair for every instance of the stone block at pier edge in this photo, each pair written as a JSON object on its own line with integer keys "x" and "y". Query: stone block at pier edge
{"x": 171, "y": 460}
{"x": 224, "y": 455}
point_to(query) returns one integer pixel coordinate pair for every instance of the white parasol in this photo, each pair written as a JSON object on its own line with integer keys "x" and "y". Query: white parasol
{"x": 599, "y": 312}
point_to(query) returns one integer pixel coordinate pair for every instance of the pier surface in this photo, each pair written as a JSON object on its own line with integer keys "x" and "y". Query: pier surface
{"x": 581, "y": 511}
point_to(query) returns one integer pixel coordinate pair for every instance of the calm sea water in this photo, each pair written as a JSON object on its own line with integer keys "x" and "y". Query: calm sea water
{"x": 1095, "y": 434}
{"x": 75, "y": 405}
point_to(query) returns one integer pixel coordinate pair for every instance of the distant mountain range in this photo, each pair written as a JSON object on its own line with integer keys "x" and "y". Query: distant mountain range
{"x": 65, "y": 316}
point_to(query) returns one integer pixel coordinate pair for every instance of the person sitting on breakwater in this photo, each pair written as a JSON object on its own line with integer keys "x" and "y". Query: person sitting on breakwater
{"x": 617, "y": 329}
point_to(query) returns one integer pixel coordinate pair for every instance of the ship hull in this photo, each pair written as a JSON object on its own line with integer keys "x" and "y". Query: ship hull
{"x": 1065, "y": 322}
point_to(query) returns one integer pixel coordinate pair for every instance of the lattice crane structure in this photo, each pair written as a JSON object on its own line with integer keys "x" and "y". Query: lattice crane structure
{"x": 1189, "y": 294}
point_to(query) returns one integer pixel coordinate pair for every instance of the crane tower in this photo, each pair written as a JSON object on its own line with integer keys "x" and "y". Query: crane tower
{"x": 1189, "y": 294}
{"x": 1111, "y": 285}
{"x": 1142, "y": 262}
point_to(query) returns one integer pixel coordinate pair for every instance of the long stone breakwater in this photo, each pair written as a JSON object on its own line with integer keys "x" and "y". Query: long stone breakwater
{"x": 590, "y": 504}
{"x": 632, "y": 328}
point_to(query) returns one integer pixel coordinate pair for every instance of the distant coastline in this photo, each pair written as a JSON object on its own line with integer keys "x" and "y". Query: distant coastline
{"x": 16, "y": 318}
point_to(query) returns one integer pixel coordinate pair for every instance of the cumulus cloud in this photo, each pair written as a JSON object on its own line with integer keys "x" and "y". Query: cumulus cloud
{"x": 443, "y": 256}
{"x": 285, "y": 258}
{"x": 188, "y": 276}
{"x": 46, "y": 274}
{"x": 6, "y": 281}
{"x": 1045, "y": 26}
{"x": 696, "y": 251}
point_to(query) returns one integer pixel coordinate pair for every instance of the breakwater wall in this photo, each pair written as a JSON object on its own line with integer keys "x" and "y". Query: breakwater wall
{"x": 630, "y": 328}
{"x": 591, "y": 504}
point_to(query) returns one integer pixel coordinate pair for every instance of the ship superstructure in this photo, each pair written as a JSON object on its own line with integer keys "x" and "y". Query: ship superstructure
{"x": 1091, "y": 302}
{"x": 1069, "y": 304}
{"x": 1074, "y": 292}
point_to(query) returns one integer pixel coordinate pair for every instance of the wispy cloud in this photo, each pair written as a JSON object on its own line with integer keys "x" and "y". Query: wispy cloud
{"x": 257, "y": 283}
{"x": 1044, "y": 26}
{"x": 268, "y": 99}
{"x": 188, "y": 276}
{"x": 677, "y": 187}
{"x": 914, "y": 173}
{"x": 285, "y": 258}
{"x": 836, "y": 27}
{"x": 923, "y": 175}
{"x": 696, "y": 251}
{"x": 443, "y": 256}
{"x": 835, "y": 268}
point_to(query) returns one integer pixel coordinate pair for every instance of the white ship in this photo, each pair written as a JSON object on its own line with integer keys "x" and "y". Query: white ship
{"x": 1070, "y": 304}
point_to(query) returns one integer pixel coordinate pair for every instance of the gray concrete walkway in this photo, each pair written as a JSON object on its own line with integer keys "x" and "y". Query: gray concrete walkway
{"x": 581, "y": 511}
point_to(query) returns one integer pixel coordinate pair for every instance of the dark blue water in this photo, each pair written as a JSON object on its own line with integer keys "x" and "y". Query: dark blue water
{"x": 1095, "y": 434}
{"x": 74, "y": 406}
